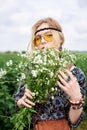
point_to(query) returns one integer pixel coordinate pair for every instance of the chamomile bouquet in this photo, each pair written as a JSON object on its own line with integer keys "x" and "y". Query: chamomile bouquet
{"x": 38, "y": 70}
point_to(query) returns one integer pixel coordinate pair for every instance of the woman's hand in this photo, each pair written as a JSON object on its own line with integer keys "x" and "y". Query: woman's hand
{"x": 68, "y": 83}
{"x": 26, "y": 99}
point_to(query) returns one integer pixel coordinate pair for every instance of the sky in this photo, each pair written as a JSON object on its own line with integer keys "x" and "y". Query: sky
{"x": 18, "y": 16}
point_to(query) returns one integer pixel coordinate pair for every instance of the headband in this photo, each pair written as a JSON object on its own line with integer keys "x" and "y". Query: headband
{"x": 47, "y": 29}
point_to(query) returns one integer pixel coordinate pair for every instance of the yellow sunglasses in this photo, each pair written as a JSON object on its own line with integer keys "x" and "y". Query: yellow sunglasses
{"x": 48, "y": 36}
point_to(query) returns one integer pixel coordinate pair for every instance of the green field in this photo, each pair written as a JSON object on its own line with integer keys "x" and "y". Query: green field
{"x": 7, "y": 107}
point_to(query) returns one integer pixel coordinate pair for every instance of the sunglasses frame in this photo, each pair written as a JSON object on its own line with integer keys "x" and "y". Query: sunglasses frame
{"x": 44, "y": 36}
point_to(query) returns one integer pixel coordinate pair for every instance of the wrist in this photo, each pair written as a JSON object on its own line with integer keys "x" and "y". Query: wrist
{"x": 77, "y": 103}
{"x": 75, "y": 99}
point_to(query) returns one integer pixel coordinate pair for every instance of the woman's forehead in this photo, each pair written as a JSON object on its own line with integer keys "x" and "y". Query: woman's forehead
{"x": 41, "y": 29}
{"x": 43, "y": 25}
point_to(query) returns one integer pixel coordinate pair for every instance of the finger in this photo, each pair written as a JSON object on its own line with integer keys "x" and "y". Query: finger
{"x": 70, "y": 74}
{"x": 23, "y": 103}
{"x": 62, "y": 81}
{"x": 27, "y": 90}
{"x": 27, "y": 94}
{"x": 38, "y": 101}
{"x": 29, "y": 102}
{"x": 63, "y": 75}
{"x": 61, "y": 86}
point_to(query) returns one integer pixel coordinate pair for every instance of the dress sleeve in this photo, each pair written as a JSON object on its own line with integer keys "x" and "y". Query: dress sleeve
{"x": 82, "y": 83}
{"x": 20, "y": 91}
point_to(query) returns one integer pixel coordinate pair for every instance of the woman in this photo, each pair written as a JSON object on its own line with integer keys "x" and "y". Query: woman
{"x": 65, "y": 111}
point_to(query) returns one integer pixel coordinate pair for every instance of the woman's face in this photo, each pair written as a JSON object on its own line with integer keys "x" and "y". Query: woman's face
{"x": 47, "y": 38}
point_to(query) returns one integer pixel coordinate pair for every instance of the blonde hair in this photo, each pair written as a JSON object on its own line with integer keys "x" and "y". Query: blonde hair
{"x": 52, "y": 23}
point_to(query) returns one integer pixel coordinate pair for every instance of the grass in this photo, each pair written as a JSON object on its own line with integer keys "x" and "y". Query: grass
{"x": 82, "y": 126}
{"x": 4, "y": 57}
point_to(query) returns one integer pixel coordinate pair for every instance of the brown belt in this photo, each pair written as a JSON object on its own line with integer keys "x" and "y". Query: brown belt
{"x": 61, "y": 124}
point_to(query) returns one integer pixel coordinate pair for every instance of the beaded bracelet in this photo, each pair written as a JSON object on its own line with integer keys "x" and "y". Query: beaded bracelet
{"x": 77, "y": 104}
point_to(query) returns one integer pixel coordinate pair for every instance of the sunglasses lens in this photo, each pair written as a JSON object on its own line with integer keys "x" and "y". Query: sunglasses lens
{"x": 48, "y": 37}
{"x": 37, "y": 40}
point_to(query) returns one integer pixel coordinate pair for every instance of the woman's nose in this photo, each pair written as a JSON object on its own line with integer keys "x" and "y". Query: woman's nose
{"x": 43, "y": 40}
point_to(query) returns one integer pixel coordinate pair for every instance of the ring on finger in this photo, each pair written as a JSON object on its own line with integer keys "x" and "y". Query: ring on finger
{"x": 68, "y": 79}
